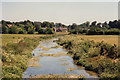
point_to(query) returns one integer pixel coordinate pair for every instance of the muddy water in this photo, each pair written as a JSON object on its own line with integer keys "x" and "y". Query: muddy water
{"x": 49, "y": 64}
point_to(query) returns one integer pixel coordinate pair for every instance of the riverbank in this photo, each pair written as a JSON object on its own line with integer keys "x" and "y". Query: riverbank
{"x": 16, "y": 50}
{"x": 52, "y": 61}
{"x": 99, "y": 57}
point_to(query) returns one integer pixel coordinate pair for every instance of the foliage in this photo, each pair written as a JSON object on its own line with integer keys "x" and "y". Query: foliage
{"x": 100, "y": 57}
{"x": 16, "y": 54}
{"x": 93, "y": 28}
{"x": 46, "y": 31}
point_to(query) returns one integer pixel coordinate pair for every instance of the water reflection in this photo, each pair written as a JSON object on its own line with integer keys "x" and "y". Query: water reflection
{"x": 55, "y": 65}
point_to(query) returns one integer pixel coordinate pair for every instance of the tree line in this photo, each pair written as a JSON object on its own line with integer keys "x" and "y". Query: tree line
{"x": 110, "y": 28}
{"x": 30, "y": 27}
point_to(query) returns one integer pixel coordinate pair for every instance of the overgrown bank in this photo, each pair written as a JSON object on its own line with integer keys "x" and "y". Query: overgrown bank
{"x": 15, "y": 55}
{"x": 99, "y": 57}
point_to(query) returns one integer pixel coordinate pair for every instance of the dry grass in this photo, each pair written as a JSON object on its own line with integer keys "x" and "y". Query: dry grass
{"x": 57, "y": 76}
{"x": 33, "y": 62}
{"x": 56, "y": 46}
{"x": 110, "y": 39}
{"x": 53, "y": 55}
{"x": 14, "y": 38}
{"x": 91, "y": 73}
{"x": 62, "y": 33}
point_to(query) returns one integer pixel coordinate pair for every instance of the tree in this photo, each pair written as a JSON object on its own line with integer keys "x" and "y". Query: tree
{"x": 49, "y": 31}
{"x": 45, "y": 24}
{"x": 37, "y": 26}
{"x": 105, "y": 25}
{"x": 41, "y": 31}
{"x": 13, "y": 30}
{"x": 93, "y": 24}
{"x": 31, "y": 31}
{"x": 87, "y": 24}
{"x": 99, "y": 25}
{"x": 52, "y": 25}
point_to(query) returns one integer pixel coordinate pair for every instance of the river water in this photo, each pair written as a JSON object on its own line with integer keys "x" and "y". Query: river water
{"x": 53, "y": 64}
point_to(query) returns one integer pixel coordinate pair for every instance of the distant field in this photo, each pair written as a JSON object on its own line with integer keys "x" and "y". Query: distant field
{"x": 61, "y": 33}
{"x": 110, "y": 39}
{"x": 14, "y": 38}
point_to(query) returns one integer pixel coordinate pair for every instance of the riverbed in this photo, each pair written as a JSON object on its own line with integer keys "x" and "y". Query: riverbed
{"x": 50, "y": 58}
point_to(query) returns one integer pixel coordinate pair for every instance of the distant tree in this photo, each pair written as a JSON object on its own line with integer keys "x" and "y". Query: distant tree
{"x": 31, "y": 31}
{"x": 74, "y": 26}
{"x": 37, "y": 26}
{"x": 45, "y": 24}
{"x": 113, "y": 24}
{"x": 93, "y": 24}
{"x": 105, "y": 25}
{"x": 52, "y": 24}
{"x": 49, "y": 31}
{"x": 87, "y": 24}
{"x": 41, "y": 31}
{"x": 58, "y": 25}
{"x": 118, "y": 24}
{"x": 13, "y": 30}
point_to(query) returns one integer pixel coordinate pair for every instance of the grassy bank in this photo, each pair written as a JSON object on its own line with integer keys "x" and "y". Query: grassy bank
{"x": 16, "y": 50}
{"x": 100, "y": 57}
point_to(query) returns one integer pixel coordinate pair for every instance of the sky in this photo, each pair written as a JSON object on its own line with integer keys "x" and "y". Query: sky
{"x": 63, "y": 12}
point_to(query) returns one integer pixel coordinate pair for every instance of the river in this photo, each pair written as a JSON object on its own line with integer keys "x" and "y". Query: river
{"x": 52, "y": 59}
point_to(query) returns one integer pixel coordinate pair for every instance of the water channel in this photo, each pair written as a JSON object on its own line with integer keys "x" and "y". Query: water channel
{"x": 60, "y": 64}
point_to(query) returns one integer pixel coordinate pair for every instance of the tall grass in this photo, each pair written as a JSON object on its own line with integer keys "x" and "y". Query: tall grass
{"x": 99, "y": 57}
{"x": 15, "y": 55}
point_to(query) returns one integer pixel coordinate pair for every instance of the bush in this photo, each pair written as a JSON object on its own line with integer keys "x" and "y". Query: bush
{"x": 100, "y": 57}
{"x": 31, "y": 31}
{"x": 49, "y": 31}
{"x": 41, "y": 31}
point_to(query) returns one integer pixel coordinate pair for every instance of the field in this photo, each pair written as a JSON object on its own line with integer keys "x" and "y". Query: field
{"x": 96, "y": 53}
{"x": 110, "y": 39}
{"x": 16, "y": 45}
{"x": 16, "y": 50}
{"x": 14, "y": 38}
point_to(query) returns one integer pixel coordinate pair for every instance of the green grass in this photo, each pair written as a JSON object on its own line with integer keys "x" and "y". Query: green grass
{"x": 100, "y": 57}
{"x": 16, "y": 50}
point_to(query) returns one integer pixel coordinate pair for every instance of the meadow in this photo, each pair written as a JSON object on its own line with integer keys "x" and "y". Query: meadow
{"x": 110, "y": 39}
{"x": 16, "y": 51}
{"x": 17, "y": 48}
{"x": 98, "y": 53}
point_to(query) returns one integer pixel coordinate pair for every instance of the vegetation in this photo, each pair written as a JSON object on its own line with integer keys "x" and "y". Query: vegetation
{"x": 29, "y": 27}
{"x": 111, "y": 28}
{"x": 15, "y": 54}
{"x": 99, "y": 57}
{"x": 46, "y": 31}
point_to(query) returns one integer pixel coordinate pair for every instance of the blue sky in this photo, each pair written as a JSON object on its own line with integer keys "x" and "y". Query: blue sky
{"x": 64, "y": 12}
